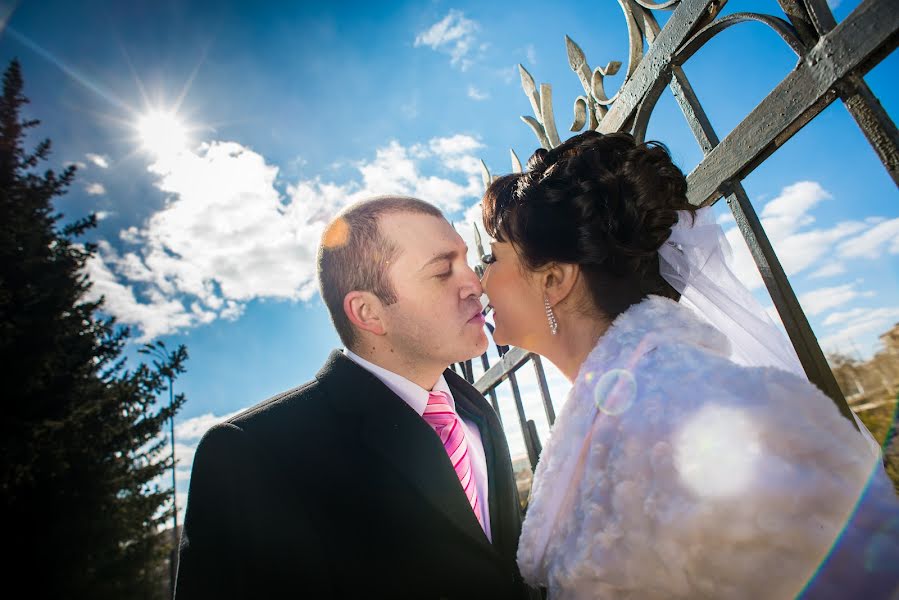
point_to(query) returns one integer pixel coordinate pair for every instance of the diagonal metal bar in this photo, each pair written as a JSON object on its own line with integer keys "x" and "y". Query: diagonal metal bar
{"x": 504, "y": 370}
{"x": 811, "y": 19}
{"x": 857, "y": 43}
{"x": 544, "y": 389}
{"x": 795, "y": 322}
{"x": 873, "y": 120}
{"x": 511, "y": 361}
{"x": 689, "y": 15}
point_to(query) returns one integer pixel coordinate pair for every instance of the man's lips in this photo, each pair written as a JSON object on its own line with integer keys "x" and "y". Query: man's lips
{"x": 477, "y": 317}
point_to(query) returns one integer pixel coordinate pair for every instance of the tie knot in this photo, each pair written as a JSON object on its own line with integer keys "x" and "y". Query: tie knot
{"x": 438, "y": 412}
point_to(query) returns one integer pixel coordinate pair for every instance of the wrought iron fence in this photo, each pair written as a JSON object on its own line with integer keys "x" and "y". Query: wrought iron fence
{"x": 832, "y": 59}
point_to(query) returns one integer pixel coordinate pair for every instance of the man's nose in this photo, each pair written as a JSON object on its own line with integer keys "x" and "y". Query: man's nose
{"x": 472, "y": 284}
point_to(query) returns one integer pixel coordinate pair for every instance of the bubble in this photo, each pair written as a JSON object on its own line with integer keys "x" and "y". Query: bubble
{"x": 337, "y": 234}
{"x": 615, "y": 391}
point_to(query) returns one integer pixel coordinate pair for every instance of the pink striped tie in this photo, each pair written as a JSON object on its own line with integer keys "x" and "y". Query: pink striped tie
{"x": 439, "y": 415}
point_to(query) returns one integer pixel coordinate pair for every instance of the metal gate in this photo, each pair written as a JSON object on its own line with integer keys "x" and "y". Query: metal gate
{"x": 832, "y": 58}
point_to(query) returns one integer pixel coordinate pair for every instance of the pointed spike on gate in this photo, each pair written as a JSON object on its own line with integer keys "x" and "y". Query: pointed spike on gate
{"x": 485, "y": 174}
{"x": 516, "y": 163}
{"x": 479, "y": 245}
{"x": 576, "y": 56}
{"x": 530, "y": 90}
{"x": 612, "y": 68}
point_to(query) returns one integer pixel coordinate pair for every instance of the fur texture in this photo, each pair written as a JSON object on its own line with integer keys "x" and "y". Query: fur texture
{"x": 685, "y": 475}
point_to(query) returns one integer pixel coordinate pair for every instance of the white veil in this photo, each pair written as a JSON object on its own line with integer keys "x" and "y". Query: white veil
{"x": 694, "y": 261}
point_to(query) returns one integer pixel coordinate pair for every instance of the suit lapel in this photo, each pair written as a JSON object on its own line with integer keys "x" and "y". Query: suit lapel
{"x": 406, "y": 444}
{"x": 505, "y": 518}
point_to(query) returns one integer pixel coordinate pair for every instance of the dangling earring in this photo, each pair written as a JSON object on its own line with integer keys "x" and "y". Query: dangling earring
{"x": 550, "y": 316}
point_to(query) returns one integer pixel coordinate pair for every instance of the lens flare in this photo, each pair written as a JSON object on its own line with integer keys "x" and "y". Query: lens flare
{"x": 614, "y": 391}
{"x": 337, "y": 234}
{"x": 716, "y": 451}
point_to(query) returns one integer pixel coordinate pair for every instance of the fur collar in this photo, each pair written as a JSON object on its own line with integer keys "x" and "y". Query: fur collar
{"x": 655, "y": 322}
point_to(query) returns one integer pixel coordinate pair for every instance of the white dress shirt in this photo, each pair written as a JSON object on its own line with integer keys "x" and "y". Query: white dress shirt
{"x": 417, "y": 399}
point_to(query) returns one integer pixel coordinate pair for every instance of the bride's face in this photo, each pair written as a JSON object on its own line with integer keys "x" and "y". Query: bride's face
{"x": 517, "y": 301}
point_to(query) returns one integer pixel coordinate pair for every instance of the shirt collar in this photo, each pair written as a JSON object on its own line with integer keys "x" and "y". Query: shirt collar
{"x": 411, "y": 393}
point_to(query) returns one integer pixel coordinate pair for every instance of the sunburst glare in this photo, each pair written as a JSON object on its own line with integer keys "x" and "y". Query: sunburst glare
{"x": 162, "y": 133}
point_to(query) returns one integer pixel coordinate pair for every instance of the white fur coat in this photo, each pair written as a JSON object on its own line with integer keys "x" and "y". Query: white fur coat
{"x": 673, "y": 472}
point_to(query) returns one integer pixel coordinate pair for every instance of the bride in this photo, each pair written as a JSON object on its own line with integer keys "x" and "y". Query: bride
{"x": 692, "y": 458}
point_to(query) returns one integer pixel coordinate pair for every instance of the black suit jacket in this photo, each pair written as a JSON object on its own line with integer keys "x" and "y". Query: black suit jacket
{"x": 338, "y": 489}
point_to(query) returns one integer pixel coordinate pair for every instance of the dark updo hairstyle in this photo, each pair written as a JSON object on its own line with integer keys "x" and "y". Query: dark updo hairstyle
{"x": 603, "y": 202}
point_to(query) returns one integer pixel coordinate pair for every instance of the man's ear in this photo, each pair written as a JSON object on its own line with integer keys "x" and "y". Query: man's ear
{"x": 363, "y": 309}
{"x": 558, "y": 280}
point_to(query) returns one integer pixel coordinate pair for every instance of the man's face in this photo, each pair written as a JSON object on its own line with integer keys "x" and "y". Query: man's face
{"x": 437, "y": 316}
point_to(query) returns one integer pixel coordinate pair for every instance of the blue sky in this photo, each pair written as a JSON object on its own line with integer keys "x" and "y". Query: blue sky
{"x": 294, "y": 109}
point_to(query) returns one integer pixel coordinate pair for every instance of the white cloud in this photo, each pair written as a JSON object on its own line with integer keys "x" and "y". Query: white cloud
{"x": 454, "y": 145}
{"x": 476, "y": 94}
{"x": 820, "y": 300}
{"x": 95, "y": 189}
{"x": 508, "y": 74}
{"x": 98, "y": 160}
{"x": 788, "y": 221}
{"x": 531, "y": 54}
{"x": 193, "y": 429}
{"x": 883, "y": 237}
{"x": 411, "y": 109}
{"x": 226, "y": 235}
{"x": 857, "y": 324}
{"x": 840, "y": 317}
{"x": 155, "y": 315}
{"x": 789, "y": 211}
{"x": 453, "y": 35}
{"x": 829, "y": 270}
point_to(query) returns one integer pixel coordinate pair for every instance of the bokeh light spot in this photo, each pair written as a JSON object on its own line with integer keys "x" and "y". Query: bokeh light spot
{"x": 716, "y": 451}
{"x": 614, "y": 391}
{"x": 337, "y": 234}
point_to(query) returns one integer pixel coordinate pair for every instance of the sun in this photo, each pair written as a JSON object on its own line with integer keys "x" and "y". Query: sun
{"x": 162, "y": 133}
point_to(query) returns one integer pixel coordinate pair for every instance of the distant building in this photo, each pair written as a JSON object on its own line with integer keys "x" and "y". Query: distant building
{"x": 890, "y": 340}
{"x": 869, "y": 382}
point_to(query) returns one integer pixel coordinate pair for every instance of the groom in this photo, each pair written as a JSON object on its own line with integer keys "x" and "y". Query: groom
{"x": 386, "y": 476}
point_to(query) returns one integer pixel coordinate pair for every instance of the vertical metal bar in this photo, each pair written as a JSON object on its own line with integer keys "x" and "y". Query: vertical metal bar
{"x": 782, "y": 294}
{"x": 530, "y": 443}
{"x": 468, "y": 370}
{"x": 538, "y": 447}
{"x": 492, "y": 392}
{"x": 544, "y": 389}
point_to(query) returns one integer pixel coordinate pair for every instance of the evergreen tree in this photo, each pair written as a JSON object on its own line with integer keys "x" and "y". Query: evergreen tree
{"x": 81, "y": 441}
